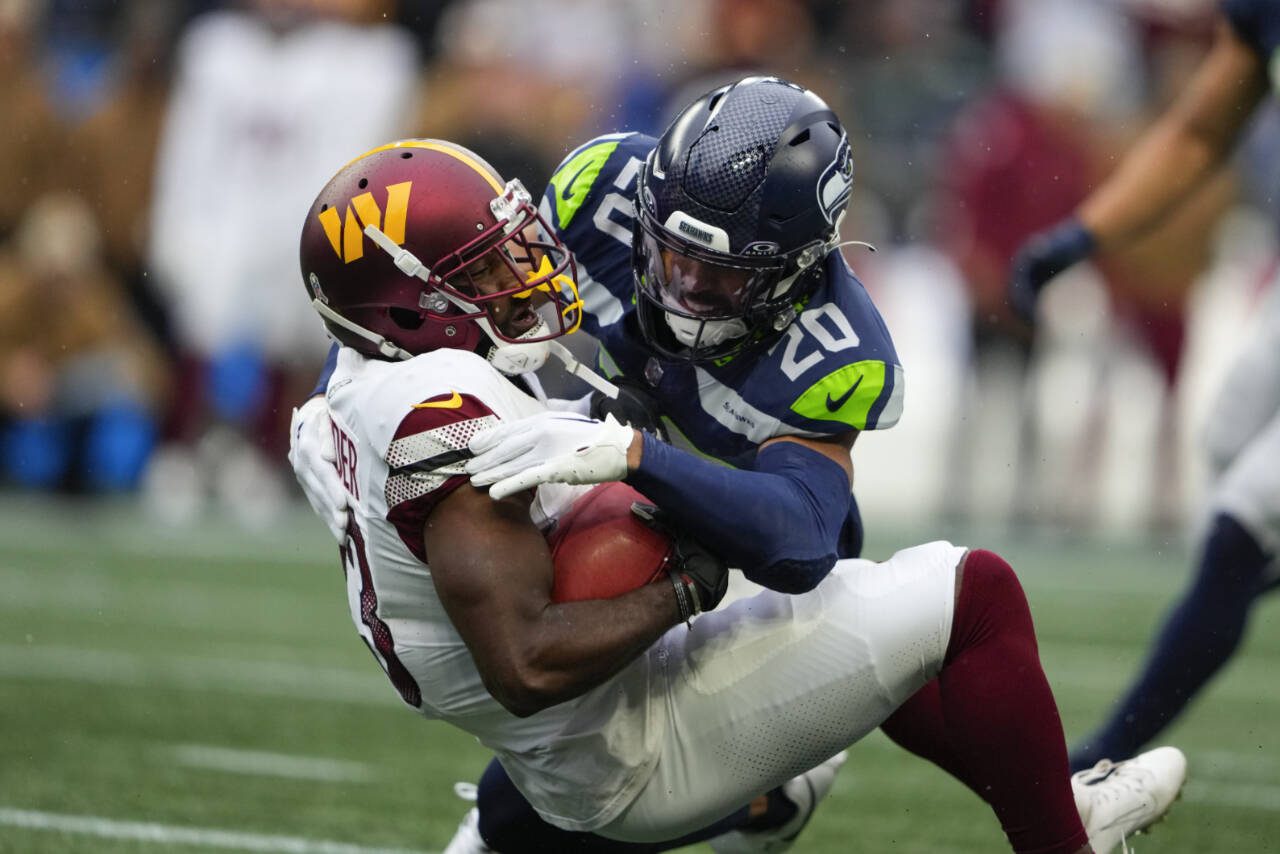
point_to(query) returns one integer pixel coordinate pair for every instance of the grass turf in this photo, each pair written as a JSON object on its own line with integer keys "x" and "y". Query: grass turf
{"x": 127, "y": 650}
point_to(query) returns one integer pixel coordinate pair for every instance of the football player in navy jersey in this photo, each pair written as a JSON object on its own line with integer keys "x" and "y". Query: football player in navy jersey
{"x": 708, "y": 269}
{"x": 709, "y": 272}
{"x": 1237, "y": 563}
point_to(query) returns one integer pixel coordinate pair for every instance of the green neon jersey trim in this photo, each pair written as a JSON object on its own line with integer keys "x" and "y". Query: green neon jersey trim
{"x": 606, "y": 363}
{"x": 576, "y": 177}
{"x": 845, "y": 395}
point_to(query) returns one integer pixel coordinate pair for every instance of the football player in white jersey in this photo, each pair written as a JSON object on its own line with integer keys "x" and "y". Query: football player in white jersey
{"x": 626, "y": 723}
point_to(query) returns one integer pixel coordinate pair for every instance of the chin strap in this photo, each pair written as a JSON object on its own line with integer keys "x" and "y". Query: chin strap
{"x": 582, "y": 372}
{"x": 510, "y": 358}
{"x": 513, "y": 358}
{"x": 835, "y": 242}
{"x": 864, "y": 244}
{"x": 385, "y": 347}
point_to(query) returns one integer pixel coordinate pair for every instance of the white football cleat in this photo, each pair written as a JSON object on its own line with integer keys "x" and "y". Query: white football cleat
{"x": 467, "y": 840}
{"x": 805, "y": 792}
{"x": 1119, "y": 799}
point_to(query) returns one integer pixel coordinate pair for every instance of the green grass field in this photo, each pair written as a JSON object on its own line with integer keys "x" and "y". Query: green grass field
{"x": 199, "y": 690}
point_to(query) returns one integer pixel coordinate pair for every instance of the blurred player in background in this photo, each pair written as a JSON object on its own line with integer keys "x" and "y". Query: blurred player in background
{"x": 263, "y": 102}
{"x": 732, "y": 303}
{"x": 1070, "y": 88}
{"x": 1182, "y": 151}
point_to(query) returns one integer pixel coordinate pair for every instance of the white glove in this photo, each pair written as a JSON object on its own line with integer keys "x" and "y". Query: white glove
{"x": 314, "y": 461}
{"x": 550, "y": 447}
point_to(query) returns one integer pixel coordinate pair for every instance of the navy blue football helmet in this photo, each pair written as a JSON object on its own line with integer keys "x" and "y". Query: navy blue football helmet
{"x": 737, "y": 206}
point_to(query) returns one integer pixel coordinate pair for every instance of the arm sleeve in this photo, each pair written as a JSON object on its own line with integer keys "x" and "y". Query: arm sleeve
{"x": 780, "y": 522}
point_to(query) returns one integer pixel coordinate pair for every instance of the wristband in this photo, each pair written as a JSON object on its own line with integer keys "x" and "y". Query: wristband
{"x": 683, "y": 603}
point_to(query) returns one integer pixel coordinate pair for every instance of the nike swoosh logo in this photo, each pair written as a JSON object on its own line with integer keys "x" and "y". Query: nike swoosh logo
{"x": 567, "y": 192}
{"x": 449, "y": 403}
{"x": 834, "y": 405}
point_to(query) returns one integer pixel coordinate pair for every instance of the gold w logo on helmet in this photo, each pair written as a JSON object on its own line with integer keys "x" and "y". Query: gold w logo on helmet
{"x": 346, "y": 233}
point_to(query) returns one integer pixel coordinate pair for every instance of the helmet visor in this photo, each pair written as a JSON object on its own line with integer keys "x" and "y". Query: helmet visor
{"x": 699, "y": 284}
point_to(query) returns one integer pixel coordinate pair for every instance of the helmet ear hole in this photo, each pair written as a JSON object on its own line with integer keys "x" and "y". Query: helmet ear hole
{"x": 405, "y": 318}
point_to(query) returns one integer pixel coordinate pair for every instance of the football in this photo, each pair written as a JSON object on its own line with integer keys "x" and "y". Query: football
{"x": 600, "y": 549}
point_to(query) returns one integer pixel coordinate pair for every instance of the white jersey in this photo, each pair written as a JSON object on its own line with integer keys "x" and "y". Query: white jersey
{"x": 579, "y": 763}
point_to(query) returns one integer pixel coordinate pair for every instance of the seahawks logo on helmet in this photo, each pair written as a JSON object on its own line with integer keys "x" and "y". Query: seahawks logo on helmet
{"x": 836, "y": 182}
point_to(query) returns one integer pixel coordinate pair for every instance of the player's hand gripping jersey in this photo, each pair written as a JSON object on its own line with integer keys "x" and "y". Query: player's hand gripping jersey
{"x": 832, "y": 371}
{"x": 400, "y": 432}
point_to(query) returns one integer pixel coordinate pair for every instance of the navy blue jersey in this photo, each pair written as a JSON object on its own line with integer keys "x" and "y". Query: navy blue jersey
{"x": 833, "y": 370}
{"x": 1257, "y": 23}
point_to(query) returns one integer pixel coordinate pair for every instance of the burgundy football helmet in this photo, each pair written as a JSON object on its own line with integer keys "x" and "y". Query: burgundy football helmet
{"x": 401, "y": 250}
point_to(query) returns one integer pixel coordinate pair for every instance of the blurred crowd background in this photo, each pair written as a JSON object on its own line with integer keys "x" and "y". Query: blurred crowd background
{"x": 157, "y": 157}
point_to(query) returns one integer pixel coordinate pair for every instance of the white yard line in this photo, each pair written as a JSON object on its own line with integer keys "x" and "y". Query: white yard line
{"x": 260, "y": 678}
{"x": 122, "y": 528}
{"x": 288, "y": 550}
{"x": 164, "y": 834}
{"x": 1109, "y": 667}
{"x": 1071, "y": 666}
{"x": 1220, "y": 777}
{"x": 263, "y": 764}
{"x": 1234, "y": 765}
{"x": 1254, "y": 796}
